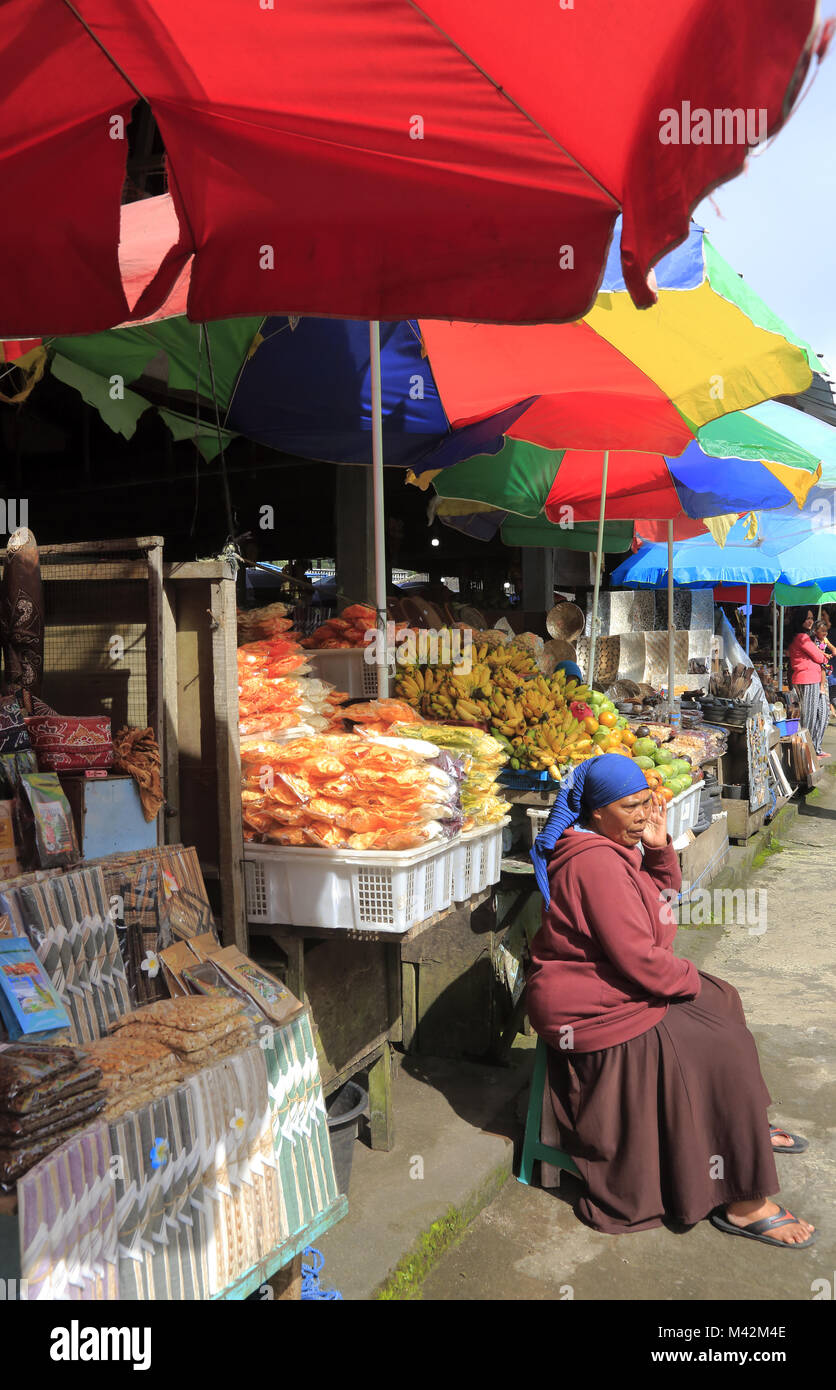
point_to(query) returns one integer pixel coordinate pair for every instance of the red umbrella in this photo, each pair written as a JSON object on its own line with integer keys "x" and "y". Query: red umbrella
{"x": 388, "y": 159}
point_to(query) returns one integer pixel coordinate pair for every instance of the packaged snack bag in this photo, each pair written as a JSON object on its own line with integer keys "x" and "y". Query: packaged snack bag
{"x": 55, "y": 837}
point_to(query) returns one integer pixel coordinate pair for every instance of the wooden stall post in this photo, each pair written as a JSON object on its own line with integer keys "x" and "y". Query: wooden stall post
{"x": 154, "y": 639}
{"x": 230, "y": 823}
{"x": 170, "y": 748}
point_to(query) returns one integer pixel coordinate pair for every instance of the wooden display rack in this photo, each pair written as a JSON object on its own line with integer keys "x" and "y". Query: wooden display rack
{"x": 173, "y": 666}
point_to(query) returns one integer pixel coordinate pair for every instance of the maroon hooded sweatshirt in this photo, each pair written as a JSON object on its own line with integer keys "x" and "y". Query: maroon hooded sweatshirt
{"x": 603, "y": 961}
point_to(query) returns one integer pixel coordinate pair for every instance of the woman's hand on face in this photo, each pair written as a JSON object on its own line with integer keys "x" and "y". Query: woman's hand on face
{"x": 655, "y": 835}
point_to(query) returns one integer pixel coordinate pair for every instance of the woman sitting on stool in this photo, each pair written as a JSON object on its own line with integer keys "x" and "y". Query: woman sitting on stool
{"x": 654, "y": 1077}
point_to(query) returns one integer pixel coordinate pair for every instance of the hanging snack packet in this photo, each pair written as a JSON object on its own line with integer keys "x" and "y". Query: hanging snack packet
{"x": 55, "y": 838}
{"x": 174, "y": 960}
{"x": 205, "y": 978}
{"x": 270, "y": 996}
{"x": 9, "y": 866}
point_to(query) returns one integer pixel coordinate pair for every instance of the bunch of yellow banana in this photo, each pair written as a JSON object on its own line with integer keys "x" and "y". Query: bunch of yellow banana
{"x": 504, "y": 689}
{"x": 569, "y": 689}
{"x": 547, "y": 747}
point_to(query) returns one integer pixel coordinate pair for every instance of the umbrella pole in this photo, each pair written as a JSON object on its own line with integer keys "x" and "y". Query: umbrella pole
{"x": 748, "y": 614}
{"x": 774, "y": 633}
{"x": 379, "y": 518}
{"x": 671, "y": 642}
{"x": 781, "y": 655}
{"x": 593, "y": 630}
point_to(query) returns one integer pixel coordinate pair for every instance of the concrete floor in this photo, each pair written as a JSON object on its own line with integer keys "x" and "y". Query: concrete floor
{"x": 527, "y": 1244}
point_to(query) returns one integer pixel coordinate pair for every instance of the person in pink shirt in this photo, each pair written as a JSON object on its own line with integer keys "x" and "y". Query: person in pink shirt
{"x": 653, "y": 1076}
{"x": 806, "y": 663}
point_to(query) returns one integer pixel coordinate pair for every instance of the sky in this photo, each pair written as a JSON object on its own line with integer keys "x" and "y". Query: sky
{"x": 776, "y": 222}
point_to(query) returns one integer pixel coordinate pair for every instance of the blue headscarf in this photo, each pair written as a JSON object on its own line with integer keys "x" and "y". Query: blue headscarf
{"x": 594, "y": 783}
{"x": 573, "y": 672}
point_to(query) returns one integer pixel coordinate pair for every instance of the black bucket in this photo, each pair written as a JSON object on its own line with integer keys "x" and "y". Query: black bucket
{"x": 344, "y": 1108}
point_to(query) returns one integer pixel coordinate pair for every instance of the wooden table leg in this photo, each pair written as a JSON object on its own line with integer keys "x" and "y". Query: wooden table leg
{"x": 394, "y": 1000}
{"x": 286, "y": 1283}
{"x": 381, "y": 1118}
{"x": 294, "y": 948}
{"x": 517, "y": 1023}
{"x": 409, "y": 992}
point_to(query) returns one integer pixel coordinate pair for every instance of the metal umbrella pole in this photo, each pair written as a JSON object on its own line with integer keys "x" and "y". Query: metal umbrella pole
{"x": 781, "y": 654}
{"x": 593, "y": 630}
{"x": 748, "y": 613}
{"x": 379, "y": 516}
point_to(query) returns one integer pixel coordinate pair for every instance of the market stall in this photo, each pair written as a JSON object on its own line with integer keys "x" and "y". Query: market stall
{"x": 163, "y": 1129}
{"x": 366, "y": 826}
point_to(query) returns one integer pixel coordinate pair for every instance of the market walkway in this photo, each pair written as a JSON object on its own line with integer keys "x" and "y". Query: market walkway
{"x": 528, "y": 1244}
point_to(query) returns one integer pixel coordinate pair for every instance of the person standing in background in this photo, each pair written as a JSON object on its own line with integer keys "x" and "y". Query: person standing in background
{"x": 831, "y": 674}
{"x": 806, "y": 662}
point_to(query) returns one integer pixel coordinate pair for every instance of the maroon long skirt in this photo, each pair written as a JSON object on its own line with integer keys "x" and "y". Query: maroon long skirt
{"x": 671, "y": 1124}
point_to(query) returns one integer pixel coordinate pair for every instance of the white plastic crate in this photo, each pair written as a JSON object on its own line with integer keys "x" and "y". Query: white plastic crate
{"x": 683, "y": 812}
{"x": 477, "y": 859}
{"x": 346, "y": 668}
{"x": 360, "y": 889}
{"x": 537, "y": 820}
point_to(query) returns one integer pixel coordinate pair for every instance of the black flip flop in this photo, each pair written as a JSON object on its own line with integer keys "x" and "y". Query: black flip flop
{"x": 797, "y": 1146}
{"x": 756, "y": 1230}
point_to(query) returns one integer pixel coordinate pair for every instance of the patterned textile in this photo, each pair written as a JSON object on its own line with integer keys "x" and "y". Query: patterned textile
{"x": 67, "y": 1221}
{"x": 67, "y": 920}
{"x": 182, "y": 1197}
{"x": 14, "y": 736}
{"x": 160, "y": 895}
{"x": 240, "y": 1183}
{"x": 164, "y": 1230}
{"x": 64, "y": 742}
{"x": 22, "y": 613}
{"x": 299, "y": 1122}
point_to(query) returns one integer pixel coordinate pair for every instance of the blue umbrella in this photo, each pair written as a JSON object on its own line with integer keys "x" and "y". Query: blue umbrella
{"x": 795, "y": 547}
{"x": 697, "y": 564}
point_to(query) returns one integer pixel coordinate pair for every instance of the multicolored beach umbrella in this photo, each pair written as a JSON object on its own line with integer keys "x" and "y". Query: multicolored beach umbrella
{"x": 522, "y": 400}
{"x": 736, "y": 464}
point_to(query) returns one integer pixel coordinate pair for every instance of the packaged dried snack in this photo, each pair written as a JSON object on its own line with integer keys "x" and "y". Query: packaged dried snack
{"x": 205, "y": 945}
{"x": 204, "y": 977}
{"x": 383, "y": 712}
{"x": 28, "y": 1001}
{"x": 64, "y": 1111}
{"x": 273, "y": 999}
{"x": 30, "y": 1073}
{"x": 55, "y": 837}
{"x": 9, "y": 865}
{"x": 190, "y": 1014}
{"x": 182, "y": 1041}
{"x": 120, "y": 1058}
{"x": 174, "y": 960}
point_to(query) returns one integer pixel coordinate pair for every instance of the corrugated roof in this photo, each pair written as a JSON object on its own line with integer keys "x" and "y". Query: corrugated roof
{"x": 819, "y": 399}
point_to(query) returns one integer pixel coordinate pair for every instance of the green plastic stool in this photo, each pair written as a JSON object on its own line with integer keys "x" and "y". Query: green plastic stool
{"x": 533, "y": 1149}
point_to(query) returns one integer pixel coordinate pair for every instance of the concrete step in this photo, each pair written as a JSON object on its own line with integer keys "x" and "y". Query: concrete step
{"x": 455, "y": 1128}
